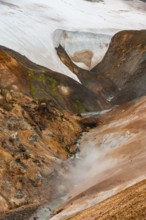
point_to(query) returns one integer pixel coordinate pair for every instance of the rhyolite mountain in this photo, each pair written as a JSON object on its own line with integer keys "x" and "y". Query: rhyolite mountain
{"x": 39, "y": 134}
{"x": 52, "y": 164}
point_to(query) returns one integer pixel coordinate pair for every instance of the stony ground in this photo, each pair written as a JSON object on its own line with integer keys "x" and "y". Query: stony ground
{"x": 35, "y": 139}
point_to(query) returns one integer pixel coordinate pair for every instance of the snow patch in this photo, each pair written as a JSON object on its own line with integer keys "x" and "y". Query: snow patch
{"x": 79, "y": 42}
{"x": 28, "y": 27}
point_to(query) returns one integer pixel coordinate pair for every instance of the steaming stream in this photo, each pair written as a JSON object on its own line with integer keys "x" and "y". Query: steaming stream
{"x": 100, "y": 170}
{"x": 45, "y": 212}
{"x": 79, "y": 175}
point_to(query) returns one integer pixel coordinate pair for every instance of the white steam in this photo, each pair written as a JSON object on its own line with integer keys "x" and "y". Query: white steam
{"x": 89, "y": 166}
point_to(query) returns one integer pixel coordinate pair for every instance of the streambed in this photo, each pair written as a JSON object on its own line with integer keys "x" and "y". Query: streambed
{"x": 112, "y": 157}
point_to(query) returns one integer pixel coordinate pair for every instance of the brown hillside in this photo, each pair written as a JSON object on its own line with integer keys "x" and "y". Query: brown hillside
{"x": 125, "y": 65}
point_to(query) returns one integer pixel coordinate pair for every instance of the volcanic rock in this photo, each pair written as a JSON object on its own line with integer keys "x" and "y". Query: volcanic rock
{"x": 28, "y": 158}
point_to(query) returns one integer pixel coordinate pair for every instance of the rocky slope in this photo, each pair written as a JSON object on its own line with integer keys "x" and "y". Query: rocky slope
{"x": 16, "y": 71}
{"x": 34, "y": 141}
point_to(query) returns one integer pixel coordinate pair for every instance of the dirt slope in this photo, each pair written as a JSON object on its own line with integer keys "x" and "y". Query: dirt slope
{"x": 128, "y": 204}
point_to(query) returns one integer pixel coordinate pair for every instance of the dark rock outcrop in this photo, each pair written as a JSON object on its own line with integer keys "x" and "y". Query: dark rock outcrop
{"x": 98, "y": 84}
